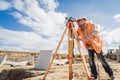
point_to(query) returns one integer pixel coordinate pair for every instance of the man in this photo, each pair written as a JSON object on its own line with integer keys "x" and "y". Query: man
{"x": 88, "y": 33}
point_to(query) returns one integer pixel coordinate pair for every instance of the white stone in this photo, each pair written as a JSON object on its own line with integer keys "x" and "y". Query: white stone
{"x": 30, "y": 60}
{"x": 43, "y": 59}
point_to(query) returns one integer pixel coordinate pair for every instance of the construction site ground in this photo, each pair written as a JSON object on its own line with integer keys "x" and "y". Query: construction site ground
{"x": 57, "y": 72}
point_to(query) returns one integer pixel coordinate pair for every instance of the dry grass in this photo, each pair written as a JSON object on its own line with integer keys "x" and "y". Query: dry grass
{"x": 57, "y": 72}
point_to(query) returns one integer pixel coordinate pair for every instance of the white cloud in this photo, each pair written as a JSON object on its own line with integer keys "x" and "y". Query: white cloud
{"x": 19, "y": 5}
{"x": 17, "y": 15}
{"x": 37, "y": 18}
{"x": 4, "y": 5}
{"x": 50, "y": 4}
{"x": 24, "y": 41}
{"x": 111, "y": 39}
{"x": 117, "y": 17}
{"x": 43, "y": 23}
{"x": 48, "y": 23}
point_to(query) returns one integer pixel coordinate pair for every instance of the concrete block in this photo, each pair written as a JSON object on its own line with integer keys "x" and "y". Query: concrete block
{"x": 43, "y": 59}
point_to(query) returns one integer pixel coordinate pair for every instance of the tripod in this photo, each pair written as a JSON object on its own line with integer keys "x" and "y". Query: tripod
{"x": 72, "y": 33}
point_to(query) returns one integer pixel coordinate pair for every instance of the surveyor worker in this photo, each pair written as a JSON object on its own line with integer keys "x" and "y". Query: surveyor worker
{"x": 88, "y": 34}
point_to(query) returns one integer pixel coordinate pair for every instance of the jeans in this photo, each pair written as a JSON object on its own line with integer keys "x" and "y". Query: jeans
{"x": 103, "y": 61}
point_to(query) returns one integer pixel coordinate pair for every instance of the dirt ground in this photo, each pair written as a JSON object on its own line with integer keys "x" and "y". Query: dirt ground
{"x": 57, "y": 72}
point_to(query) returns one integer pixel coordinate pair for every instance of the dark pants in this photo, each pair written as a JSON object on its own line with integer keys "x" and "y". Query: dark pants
{"x": 103, "y": 61}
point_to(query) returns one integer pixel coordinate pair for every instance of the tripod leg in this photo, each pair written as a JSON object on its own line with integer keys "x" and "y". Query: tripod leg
{"x": 82, "y": 55}
{"x": 70, "y": 52}
{"x": 55, "y": 53}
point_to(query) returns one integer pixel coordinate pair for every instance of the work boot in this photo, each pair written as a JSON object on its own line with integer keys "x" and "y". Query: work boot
{"x": 112, "y": 77}
{"x": 95, "y": 79}
{"x": 94, "y": 76}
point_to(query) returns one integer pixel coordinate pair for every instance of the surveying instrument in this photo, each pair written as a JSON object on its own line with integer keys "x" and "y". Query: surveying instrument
{"x": 72, "y": 33}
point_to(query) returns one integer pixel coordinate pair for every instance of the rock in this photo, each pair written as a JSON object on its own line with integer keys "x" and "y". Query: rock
{"x": 4, "y": 74}
{"x": 19, "y": 74}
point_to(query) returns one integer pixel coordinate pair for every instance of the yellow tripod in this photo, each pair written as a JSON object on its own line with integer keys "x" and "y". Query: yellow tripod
{"x": 72, "y": 33}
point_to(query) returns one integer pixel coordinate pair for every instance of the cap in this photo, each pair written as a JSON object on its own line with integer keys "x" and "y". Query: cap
{"x": 82, "y": 18}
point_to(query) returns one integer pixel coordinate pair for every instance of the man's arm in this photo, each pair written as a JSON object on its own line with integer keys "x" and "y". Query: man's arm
{"x": 94, "y": 31}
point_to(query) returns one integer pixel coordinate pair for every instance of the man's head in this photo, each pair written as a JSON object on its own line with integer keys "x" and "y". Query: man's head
{"x": 81, "y": 22}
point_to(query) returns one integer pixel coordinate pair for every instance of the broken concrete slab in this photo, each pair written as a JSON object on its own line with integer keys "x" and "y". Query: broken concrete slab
{"x": 61, "y": 61}
{"x": 43, "y": 59}
{"x": 22, "y": 63}
{"x": 2, "y": 60}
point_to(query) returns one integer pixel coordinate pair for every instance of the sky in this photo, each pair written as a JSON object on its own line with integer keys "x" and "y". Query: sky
{"x": 34, "y": 25}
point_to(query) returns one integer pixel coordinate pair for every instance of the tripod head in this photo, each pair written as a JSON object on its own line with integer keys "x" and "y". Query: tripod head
{"x": 70, "y": 19}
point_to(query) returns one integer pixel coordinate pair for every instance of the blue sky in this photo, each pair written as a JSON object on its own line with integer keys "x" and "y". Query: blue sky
{"x": 32, "y": 25}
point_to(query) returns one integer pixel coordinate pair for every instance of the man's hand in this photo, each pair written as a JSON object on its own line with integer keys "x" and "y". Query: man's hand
{"x": 83, "y": 39}
{"x": 88, "y": 41}
{"x": 80, "y": 39}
